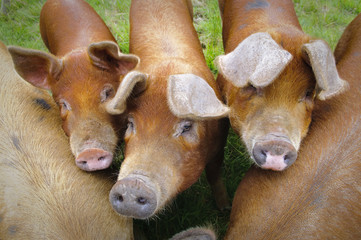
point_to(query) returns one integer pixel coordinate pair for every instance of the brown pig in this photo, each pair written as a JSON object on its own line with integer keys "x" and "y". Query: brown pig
{"x": 319, "y": 198}
{"x": 176, "y": 121}
{"x": 42, "y": 194}
{"x": 83, "y": 73}
{"x": 270, "y": 76}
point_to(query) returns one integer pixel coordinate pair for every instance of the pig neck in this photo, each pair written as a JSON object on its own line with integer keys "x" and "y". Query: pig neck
{"x": 162, "y": 33}
{"x": 69, "y": 25}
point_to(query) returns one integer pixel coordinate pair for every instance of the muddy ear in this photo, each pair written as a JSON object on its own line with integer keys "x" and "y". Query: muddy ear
{"x": 134, "y": 82}
{"x": 195, "y": 234}
{"x": 107, "y": 55}
{"x": 319, "y": 55}
{"x": 257, "y": 60}
{"x": 35, "y": 66}
{"x": 189, "y": 96}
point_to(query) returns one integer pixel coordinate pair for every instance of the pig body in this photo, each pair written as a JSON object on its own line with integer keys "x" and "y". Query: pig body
{"x": 320, "y": 197}
{"x": 42, "y": 195}
{"x": 173, "y": 125}
{"x": 270, "y": 76}
{"x": 83, "y": 73}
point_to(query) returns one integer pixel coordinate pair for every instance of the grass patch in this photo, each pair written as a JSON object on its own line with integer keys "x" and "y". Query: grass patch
{"x": 324, "y": 19}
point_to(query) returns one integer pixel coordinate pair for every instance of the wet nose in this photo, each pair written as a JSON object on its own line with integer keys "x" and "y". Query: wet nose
{"x": 274, "y": 155}
{"x": 132, "y": 197}
{"x": 94, "y": 159}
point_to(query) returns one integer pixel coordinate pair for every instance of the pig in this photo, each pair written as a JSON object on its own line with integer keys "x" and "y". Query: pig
{"x": 319, "y": 198}
{"x": 42, "y": 194}
{"x": 270, "y": 75}
{"x": 176, "y": 119}
{"x": 83, "y": 72}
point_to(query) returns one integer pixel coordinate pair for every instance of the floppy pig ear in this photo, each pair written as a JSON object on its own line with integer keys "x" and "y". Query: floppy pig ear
{"x": 257, "y": 60}
{"x": 189, "y": 96}
{"x": 35, "y": 66}
{"x": 133, "y": 82}
{"x": 106, "y": 55}
{"x": 195, "y": 234}
{"x": 319, "y": 55}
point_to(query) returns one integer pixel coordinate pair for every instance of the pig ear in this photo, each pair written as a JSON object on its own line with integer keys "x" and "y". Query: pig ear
{"x": 107, "y": 55}
{"x": 319, "y": 55}
{"x": 134, "y": 82}
{"x": 257, "y": 60}
{"x": 35, "y": 66}
{"x": 189, "y": 96}
{"x": 195, "y": 234}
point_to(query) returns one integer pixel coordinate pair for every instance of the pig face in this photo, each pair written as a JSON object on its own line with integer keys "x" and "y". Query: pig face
{"x": 271, "y": 94}
{"x": 82, "y": 82}
{"x": 167, "y": 146}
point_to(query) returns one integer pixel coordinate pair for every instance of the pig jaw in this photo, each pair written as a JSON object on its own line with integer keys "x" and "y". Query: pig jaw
{"x": 93, "y": 142}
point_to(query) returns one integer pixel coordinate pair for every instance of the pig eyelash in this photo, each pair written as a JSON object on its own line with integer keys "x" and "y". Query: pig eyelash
{"x": 107, "y": 92}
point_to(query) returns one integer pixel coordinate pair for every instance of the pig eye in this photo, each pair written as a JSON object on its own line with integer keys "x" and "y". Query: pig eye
{"x": 186, "y": 126}
{"x": 183, "y": 127}
{"x": 251, "y": 90}
{"x": 308, "y": 96}
{"x": 64, "y": 106}
{"x": 107, "y": 93}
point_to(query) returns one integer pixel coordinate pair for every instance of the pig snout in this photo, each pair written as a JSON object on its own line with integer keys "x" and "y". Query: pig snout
{"x": 94, "y": 159}
{"x": 133, "y": 197}
{"x": 275, "y": 155}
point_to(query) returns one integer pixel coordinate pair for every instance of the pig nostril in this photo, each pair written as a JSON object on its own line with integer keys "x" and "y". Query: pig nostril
{"x": 120, "y": 198}
{"x": 287, "y": 159}
{"x": 101, "y": 158}
{"x": 263, "y": 153}
{"x": 83, "y": 162}
{"x": 141, "y": 200}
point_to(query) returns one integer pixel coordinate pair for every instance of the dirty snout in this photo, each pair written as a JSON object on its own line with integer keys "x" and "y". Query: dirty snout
{"x": 93, "y": 144}
{"x": 134, "y": 196}
{"x": 274, "y": 153}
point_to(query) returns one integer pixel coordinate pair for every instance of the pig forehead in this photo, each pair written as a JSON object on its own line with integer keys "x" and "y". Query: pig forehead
{"x": 77, "y": 68}
{"x": 294, "y": 80}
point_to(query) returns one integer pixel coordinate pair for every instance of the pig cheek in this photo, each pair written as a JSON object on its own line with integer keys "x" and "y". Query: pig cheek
{"x": 241, "y": 109}
{"x": 66, "y": 125}
{"x": 306, "y": 122}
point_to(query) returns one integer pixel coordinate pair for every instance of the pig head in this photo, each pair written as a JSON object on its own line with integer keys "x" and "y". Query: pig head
{"x": 173, "y": 132}
{"x": 81, "y": 82}
{"x": 270, "y": 84}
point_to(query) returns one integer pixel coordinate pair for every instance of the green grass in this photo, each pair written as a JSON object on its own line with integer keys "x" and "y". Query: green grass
{"x": 324, "y": 19}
